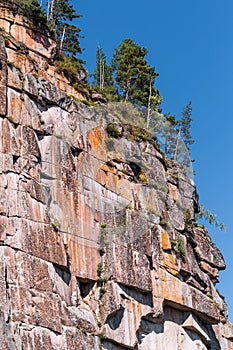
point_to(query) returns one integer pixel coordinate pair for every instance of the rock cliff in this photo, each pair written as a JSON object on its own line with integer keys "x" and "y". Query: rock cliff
{"x": 98, "y": 248}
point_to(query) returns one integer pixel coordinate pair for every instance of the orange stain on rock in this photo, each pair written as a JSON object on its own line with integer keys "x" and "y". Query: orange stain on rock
{"x": 169, "y": 263}
{"x": 173, "y": 191}
{"x": 101, "y": 177}
{"x": 105, "y": 167}
{"x": 95, "y": 137}
{"x": 166, "y": 245}
{"x": 112, "y": 182}
{"x": 18, "y": 58}
{"x": 171, "y": 288}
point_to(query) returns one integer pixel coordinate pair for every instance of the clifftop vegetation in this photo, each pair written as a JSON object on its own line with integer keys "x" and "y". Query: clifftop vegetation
{"x": 128, "y": 78}
{"x": 57, "y": 16}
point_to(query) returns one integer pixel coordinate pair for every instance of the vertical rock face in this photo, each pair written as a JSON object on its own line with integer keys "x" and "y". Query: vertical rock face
{"x": 96, "y": 245}
{"x": 3, "y": 77}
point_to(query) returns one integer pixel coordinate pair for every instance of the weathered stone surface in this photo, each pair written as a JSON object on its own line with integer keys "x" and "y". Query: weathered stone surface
{"x": 98, "y": 97}
{"x": 118, "y": 306}
{"x": 207, "y": 249}
{"x": 23, "y": 110}
{"x": 210, "y": 270}
{"x": 96, "y": 245}
{"x": 3, "y": 77}
{"x": 72, "y": 338}
{"x": 37, "y": 239}
{"x": 131, "y": 263}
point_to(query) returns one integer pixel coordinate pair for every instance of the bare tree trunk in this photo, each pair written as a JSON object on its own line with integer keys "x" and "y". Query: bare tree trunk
{"x": 102, "y": 78}
{"x": 50, "y": 9}
{"x": 62, "y": 38}
{"x": 149, "y": 105}
{"x": 126, "y": 90}
{"x": 101, "y": 70}
{"x": 177, "y": 144}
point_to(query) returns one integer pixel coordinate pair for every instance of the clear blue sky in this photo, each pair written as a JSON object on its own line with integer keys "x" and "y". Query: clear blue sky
{"x": 191, "y": 45}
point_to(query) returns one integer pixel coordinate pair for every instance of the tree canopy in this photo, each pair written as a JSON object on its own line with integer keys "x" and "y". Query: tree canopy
{"x": 134, "y": 77}
{"x": 60, "y": 14}
{"x": 184, "y": 125}
{"x": 129, "y": 77}
{"x": 33, "y": 9}
{"x": 103, "y": 72}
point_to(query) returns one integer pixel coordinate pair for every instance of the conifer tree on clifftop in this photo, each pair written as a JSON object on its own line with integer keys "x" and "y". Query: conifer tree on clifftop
{"x": 185, "y": 125}
{"x": 60, "y": 13}
{"x": 33, "y": 9}
{"x": 103, "y": 72}
{"x": 103, "y": 79}
{"x": 135, "y": 78}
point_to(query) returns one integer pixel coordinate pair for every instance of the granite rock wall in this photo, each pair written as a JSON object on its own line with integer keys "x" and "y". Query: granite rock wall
{"x": 96, "y": 246}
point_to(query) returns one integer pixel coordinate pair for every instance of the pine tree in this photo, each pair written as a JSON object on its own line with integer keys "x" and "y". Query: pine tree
{"x": 69, "y": 41}
{"x": 133, "y": 75}
{"x": 33, "y": 9}
{"x": 184, "y": 138}
{"x": 60, "y": 14}
{"x": 185, "y": 125}
{"x": 164, "y": 128}
{"x": 103, "y": 72}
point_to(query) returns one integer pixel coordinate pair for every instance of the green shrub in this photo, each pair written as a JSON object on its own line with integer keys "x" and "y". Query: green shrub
{"x": 102, "y": 280}
{"x": 102, "y": 336}
{"x": 100, "y": 269}
{"x": 113, "y": 131}
{"x": 189, "y": 222}
{"x": 163, "y": 222}
{"x": 70, "y": 67}
{"x": 142, "y": 177}
{"x": 102, "y": 291}
{"x": 7, "y": 40}
{"x": 178, "y": 246}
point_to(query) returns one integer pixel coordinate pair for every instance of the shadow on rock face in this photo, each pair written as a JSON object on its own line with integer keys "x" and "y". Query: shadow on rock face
{"x": 114, "y": 319}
